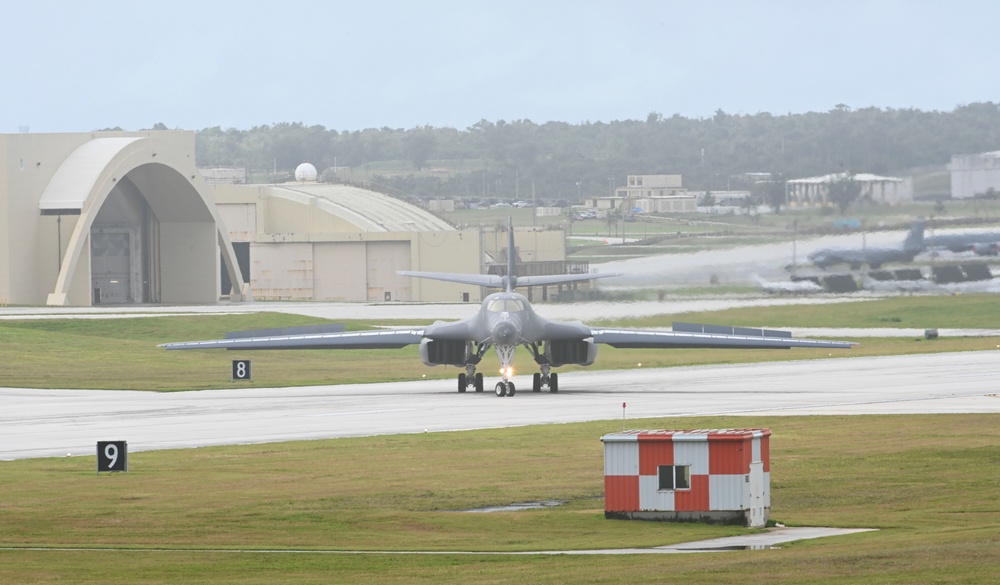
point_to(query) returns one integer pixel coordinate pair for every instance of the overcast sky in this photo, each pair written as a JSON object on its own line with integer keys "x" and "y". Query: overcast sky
{"x": 76, "y": 65}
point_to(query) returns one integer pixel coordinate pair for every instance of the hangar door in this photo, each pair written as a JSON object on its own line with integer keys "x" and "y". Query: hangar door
{"x": 361, "y": 271}
{"x": 122, "y": 240}
{"x": 115, "y": 266}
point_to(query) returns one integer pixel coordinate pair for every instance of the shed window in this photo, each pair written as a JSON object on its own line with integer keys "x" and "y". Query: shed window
{"x": 674, "y": 477}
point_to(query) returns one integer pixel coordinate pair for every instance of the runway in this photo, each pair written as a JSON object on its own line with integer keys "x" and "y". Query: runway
{"x": 52, "y": 423}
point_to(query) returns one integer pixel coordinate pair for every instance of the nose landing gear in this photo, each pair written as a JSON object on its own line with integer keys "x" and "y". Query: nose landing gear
{"x": 505, "y": 389}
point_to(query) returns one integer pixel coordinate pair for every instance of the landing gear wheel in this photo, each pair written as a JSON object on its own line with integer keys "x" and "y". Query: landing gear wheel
{"x": 462, "y": 382}
{"x": 478, "y": 382}
{"x": 554, "y": 383}
{"x": 510, "y": 388}
{"x": 536, "y": 382}
{"x": 501, "y": 389}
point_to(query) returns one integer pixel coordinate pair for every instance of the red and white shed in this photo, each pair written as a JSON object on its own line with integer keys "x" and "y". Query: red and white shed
{"x": 718, "y": 475}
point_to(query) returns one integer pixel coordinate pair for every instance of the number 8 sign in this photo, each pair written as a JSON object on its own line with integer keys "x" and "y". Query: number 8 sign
{"x": 112, "y": 456}
{"x": 241, "y": 370}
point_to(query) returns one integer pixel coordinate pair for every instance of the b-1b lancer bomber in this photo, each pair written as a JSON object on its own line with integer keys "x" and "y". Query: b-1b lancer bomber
{"x": 506, "y": 321}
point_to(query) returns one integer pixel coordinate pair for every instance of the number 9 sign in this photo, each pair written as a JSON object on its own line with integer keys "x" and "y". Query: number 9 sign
{"x": 112, "y": 456}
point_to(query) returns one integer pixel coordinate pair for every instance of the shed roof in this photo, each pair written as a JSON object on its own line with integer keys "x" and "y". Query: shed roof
{"x": 834, "y": 177}
{"x": 685, "y": 435}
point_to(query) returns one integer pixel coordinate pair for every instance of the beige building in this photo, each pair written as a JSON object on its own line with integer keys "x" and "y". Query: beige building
{"x": 120, "y": 217}
{"x": 974, "y": 174}
{"x": 638, "y": 186}
{"x": 655, "y": 194}
{"x": 329, "y": 242}
{"x": 333, "y": 242}
{"x": 126, "y": 217}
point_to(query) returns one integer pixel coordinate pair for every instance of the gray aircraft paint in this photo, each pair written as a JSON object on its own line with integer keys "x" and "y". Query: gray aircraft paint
{"x": 505, "y": 321}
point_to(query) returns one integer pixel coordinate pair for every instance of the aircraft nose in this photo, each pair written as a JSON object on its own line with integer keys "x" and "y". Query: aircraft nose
{"x": 505, "y": 333}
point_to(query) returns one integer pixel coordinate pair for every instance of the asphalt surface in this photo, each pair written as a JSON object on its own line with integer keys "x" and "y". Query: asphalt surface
{"x": 47, "y": 423}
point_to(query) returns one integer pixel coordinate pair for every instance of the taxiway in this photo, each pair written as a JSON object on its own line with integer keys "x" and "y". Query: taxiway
{"x": 47, "y": 423}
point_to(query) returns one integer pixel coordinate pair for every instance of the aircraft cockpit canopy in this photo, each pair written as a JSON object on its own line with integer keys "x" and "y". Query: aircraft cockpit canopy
{"x": 508, "y": 305}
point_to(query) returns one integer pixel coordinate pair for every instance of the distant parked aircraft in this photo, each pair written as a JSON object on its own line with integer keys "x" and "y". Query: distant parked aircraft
{"x": 505, "y": 321}
{"x": 874, "y": 257}
{"x": 981, "y": 243}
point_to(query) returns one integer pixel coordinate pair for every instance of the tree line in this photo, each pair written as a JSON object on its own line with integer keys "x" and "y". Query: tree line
{"x": 504, "y": 160}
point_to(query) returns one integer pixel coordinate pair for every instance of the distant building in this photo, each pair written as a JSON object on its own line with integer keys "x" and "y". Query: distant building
{"x": 224, "y": 175}
{"x": 126, "y": 218}
{"x": 667, "y": 204}
{"x": 441, "y": 205}
{"x": 814, "y": 191}
{"x": 974, "y": 174}
{"x": 651, "y": 194}
{"x": 647, "y": 186}
{"x": 724, "y": 202}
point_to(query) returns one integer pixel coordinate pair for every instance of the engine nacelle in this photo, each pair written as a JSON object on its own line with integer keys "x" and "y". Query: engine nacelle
{"x": 561, "y": 353}
{"x": 443, "y": 352}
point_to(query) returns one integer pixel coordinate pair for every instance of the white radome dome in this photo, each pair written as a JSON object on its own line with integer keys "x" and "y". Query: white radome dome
{"x": 305, "y": 172}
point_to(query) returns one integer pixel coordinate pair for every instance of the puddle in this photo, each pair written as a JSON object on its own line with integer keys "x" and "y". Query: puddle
{"x": 772, "y": 538}
{"x": 728, "y": 548}
{"x": 518, "y": 507}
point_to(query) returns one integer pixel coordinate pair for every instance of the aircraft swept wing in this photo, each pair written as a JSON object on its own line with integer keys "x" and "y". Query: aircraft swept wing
{"x": 724, "y": 337}
{"x": 505, "y": 321}
{"x": 378, "y": 339}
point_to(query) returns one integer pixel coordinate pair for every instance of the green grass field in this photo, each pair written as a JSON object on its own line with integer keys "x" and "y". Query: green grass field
{"x": 928, "y": 483}
{"x": 233, "y": 514}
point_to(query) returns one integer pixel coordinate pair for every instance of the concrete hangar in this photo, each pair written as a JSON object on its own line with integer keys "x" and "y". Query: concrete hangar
{"x": 127, "y": 218}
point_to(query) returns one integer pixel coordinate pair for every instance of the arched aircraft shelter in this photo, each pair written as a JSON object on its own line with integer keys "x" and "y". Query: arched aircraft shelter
{"x": 122, "y": 218}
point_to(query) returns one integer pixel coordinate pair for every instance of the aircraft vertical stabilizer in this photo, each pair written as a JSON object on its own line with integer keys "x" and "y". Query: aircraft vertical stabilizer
{"x": 511, "y": 280}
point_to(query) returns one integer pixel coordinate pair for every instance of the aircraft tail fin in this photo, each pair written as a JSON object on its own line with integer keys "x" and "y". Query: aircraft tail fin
{"x": 915, "y": 238}
{"x": 510, "y": 281}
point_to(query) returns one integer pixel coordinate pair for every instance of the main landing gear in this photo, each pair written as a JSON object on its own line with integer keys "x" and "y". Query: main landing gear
{"x": 540, "y": 380}
{"x": 472, "y": 378}
{"x": 545, "y": 378}
{"x": 475, "y": 381}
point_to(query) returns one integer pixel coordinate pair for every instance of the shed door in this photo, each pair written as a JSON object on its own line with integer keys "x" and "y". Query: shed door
{"x": 757, "y": 496}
